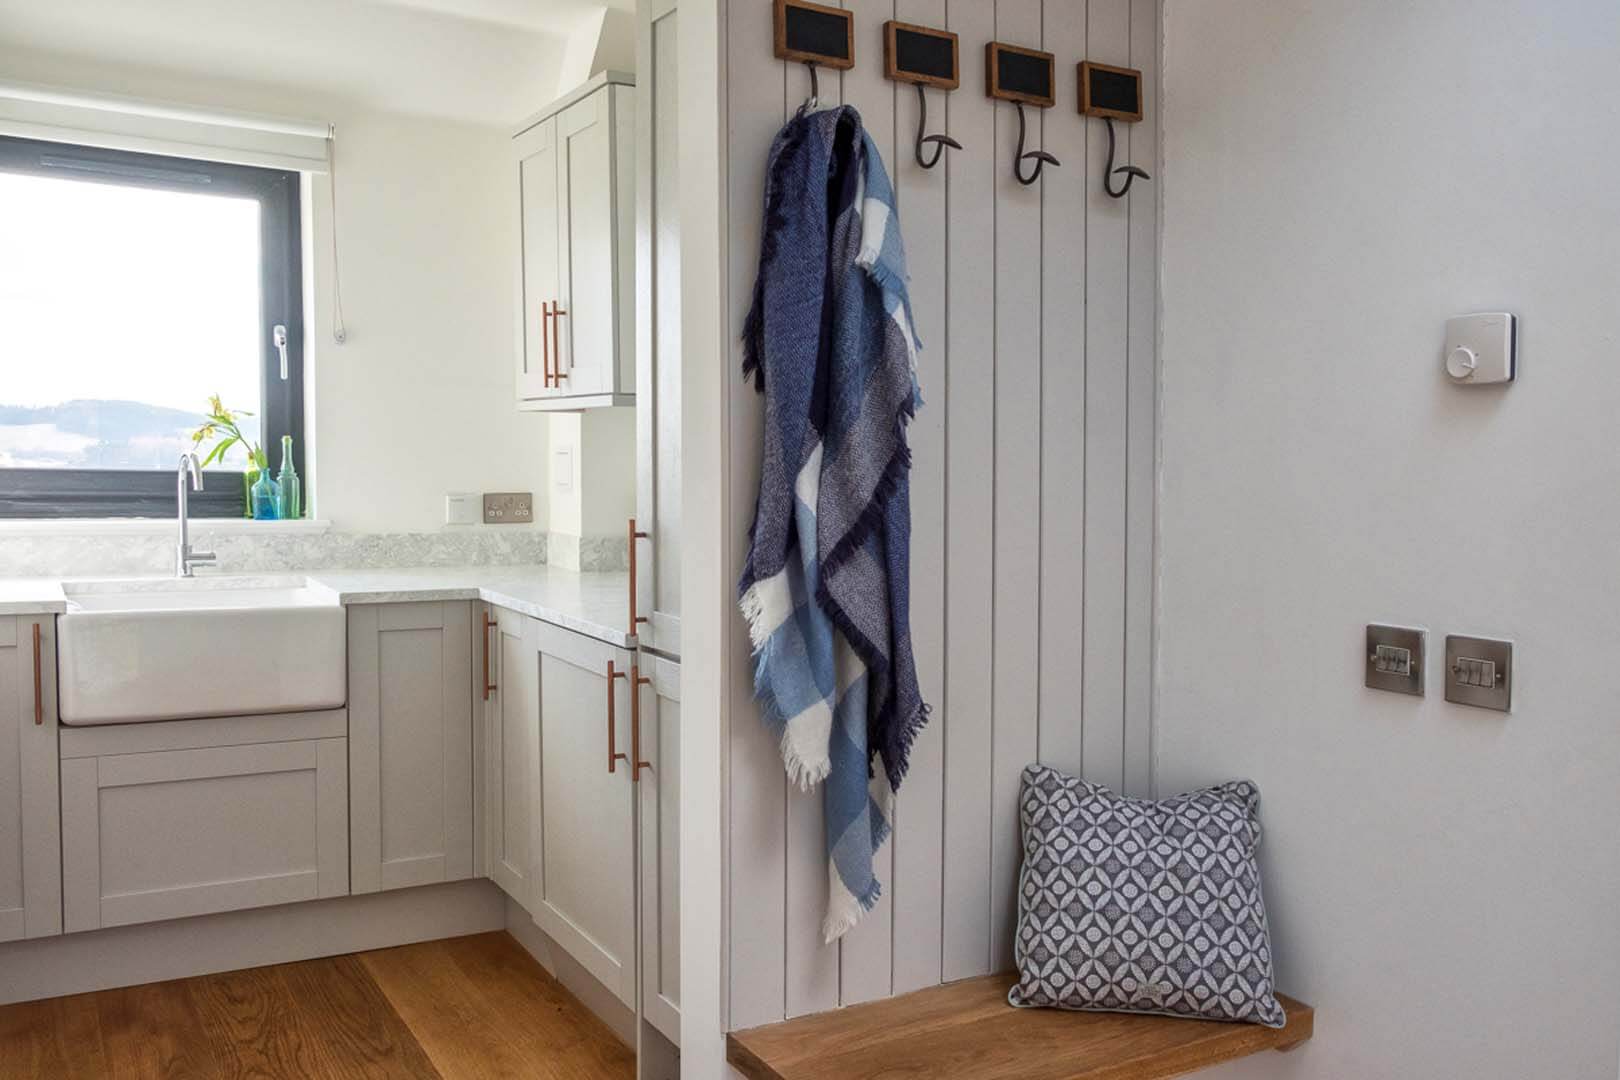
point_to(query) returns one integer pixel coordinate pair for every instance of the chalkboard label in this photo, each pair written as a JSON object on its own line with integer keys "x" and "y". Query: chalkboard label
{"x": 815, "y": 33}
{"x": 1109, "y": 91}
{"x": 1017, "y": 74}
{"x": 921, "y": 54}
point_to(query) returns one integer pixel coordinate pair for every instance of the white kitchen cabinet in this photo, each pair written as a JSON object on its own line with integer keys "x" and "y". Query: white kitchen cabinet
{"x": 172, "y": 819}
{"x": 660, "y": 832}
{"x": 30, "y": 821}
{"x": 658, "y": 335}
{"x": 511, "y": 752}
{"x": 410, "y": 744}
{"x": 586, "y": 878}
{"x": 576, "y": 184}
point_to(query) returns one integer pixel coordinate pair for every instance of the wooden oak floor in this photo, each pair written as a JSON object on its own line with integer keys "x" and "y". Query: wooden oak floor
{"x": 471, "y": 1007}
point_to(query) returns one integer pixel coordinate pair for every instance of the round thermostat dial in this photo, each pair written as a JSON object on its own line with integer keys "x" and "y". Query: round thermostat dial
{"x": 1461, "y": 362}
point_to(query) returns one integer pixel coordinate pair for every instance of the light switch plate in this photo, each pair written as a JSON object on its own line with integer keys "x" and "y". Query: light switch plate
{"x": 1395, "y": 659}
{"x": 1479, "y": 672}
{"x": 508, "y": 508}
{"x": 461, "y": 508}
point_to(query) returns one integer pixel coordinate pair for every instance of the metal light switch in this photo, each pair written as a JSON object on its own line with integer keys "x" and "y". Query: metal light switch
{"x": 1479, "y": 672}
{"x": 1395, "y": 659}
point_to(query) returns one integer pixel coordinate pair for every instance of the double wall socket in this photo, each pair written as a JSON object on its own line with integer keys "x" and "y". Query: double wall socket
{"x": 508, "y": 507}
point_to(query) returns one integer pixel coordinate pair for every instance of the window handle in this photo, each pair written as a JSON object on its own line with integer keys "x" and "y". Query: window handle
{"x": 278, "y": 335}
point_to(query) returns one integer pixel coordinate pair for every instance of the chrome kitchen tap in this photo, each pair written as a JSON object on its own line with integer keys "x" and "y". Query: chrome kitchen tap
{"x": 185, "y": 558}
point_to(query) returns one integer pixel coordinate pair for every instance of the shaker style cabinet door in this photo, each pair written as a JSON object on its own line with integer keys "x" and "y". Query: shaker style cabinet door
{"x": 660, "y": 829}
{"x": 511, "y": 753}
{"x": 30, "y": 811}
{"x": 410, "y": 744}
{"x": 577, "y": 187}
{"x": 586, "y": 881}
{"x": 658, "y": 336}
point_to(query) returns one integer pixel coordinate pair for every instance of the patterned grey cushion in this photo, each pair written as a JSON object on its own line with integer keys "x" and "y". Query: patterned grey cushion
{"x": 1132, "y": 905}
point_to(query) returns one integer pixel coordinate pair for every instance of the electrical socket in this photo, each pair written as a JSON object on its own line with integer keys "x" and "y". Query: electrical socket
{"x": 508, "y": 507}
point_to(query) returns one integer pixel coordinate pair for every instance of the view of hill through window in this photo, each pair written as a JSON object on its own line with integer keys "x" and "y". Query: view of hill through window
{"x": 121, "y": 310}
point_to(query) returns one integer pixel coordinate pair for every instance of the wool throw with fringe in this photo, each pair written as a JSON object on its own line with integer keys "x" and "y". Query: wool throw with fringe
{"x": 829, "y": 341}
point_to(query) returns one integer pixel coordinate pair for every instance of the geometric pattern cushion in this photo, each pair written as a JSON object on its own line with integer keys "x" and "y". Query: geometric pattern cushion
{"x": 1141, "y": 905}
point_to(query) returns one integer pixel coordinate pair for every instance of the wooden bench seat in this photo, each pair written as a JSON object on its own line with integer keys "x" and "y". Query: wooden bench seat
{"x": 967, "y": 1031}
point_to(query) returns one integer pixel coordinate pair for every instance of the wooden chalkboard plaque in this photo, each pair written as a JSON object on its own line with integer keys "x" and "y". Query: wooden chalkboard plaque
{"x": 1113, "y": 92}
{"x": 815, "y": 34}
{"x": 921, "y": 54}
{"x": 1013, "y": 73}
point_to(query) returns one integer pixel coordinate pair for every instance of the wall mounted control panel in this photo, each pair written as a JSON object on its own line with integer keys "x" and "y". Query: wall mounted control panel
{"x": 1395, "y": 659}
{"x": 1479, "y": 672}
{"x": 1482, "y": 349}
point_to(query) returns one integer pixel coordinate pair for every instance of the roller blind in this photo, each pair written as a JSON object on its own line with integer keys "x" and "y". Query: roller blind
{"x": 58, "y": 114}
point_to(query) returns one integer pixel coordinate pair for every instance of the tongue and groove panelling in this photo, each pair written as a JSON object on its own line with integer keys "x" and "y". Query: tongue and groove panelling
{"x": 1032, "y": 495}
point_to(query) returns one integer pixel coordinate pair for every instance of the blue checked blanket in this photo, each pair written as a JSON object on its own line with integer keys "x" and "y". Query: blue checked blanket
{"x": 829, "y": 342}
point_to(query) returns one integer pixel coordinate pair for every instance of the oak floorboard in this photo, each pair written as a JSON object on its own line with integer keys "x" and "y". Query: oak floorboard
{"x": 154, "y": 1031}
{"x": 360, "y": 1036}
{"x": 59, "y": 1037}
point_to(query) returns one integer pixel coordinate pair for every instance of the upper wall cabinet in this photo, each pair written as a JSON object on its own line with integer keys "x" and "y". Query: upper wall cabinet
{"x": 576, "y": 181}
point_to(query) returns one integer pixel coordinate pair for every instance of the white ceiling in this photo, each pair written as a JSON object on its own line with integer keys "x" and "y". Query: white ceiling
{"x": 484, "y": 61}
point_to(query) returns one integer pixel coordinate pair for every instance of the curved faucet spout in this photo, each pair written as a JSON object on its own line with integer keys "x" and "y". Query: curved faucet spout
{"x": 185, "y": 558}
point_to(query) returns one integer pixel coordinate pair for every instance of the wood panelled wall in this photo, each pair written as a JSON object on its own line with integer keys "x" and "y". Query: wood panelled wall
{"x": 1032, "y": 494}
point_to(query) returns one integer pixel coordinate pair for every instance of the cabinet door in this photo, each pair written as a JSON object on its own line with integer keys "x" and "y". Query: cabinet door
{"x": 168, "y": 834}
{"x": 658, "y": 332}
{"x": 541, "y": 257}
{"x": 660, "y": 831}
{"x": 586, "y": 882}
{"x": 597, "y": 267}
{"x": 410, "y": 745}
{"x": 30, "y": 819}
{"x": 512, "y": 755}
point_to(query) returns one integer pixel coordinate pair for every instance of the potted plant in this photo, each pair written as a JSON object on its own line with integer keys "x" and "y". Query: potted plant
{"x": 221, "y": 425}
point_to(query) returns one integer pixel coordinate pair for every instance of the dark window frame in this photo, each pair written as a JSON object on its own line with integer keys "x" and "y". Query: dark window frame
{"x": 129, "y": 493}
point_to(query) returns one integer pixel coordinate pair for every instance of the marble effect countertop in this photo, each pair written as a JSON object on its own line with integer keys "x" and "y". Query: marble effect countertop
{"x": 589, "y": 603}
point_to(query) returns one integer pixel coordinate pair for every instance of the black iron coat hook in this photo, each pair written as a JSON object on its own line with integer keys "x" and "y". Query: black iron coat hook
{"x": 1132, "y": 173}
{"x": 1041, "y": 158}
{"x": 940, "y": 141}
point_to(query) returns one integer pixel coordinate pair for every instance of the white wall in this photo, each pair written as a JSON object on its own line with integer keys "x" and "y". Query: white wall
{"x": 420, "y": 399}
{"x": 1338, "y": 180}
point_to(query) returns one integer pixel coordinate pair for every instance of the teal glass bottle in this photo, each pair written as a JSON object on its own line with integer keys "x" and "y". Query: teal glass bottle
{"x": 289, "y": 497}
{"x": 265, "y": 496}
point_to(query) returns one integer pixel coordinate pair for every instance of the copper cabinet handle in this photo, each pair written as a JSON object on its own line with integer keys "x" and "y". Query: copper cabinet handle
{"x": 39, "y": 695}
{"x": 489, "y": 687}
{"x": 637, "y": 681}
{"x": 545, "y": 345}
{"x": 614, "y": 757}
{"x": 557, "y": 375}
{"x": 636, "y": 619}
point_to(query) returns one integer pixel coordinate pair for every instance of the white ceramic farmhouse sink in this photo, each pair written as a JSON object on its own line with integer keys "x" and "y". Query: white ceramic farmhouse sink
{"x": 132, "y": 651}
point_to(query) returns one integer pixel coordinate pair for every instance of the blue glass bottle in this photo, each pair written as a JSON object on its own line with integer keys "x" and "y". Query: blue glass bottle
{"x": 289, "y": 501}
{"x": 265, "y": 495}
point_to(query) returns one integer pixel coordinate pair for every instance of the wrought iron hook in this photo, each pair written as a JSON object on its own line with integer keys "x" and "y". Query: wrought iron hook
{"x": 940, "y": 141}
{"x": 1041, "y": 158}
{"x": 1132, "y": 173}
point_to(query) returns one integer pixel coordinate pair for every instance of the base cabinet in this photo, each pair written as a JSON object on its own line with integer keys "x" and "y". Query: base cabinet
{"x": 511, "y": 699}
{"x": 30, "y": 822}
{"x": 157, "y": 824}
{"x": 586, "y": 869}
{"x": 410, "y": 744}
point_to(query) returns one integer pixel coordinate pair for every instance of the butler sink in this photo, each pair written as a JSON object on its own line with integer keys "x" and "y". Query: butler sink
{"x": 133, "y": 651}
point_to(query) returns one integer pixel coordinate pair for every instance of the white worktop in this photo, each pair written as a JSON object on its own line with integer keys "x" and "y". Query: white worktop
{"x": 594, "y": 604}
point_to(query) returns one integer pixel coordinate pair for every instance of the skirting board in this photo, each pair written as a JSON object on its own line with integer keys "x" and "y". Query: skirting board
{"x": 568, "y": 971}
{"x": 154, "y": 952}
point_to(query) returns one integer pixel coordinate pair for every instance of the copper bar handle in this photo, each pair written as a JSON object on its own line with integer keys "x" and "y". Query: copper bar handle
{"x": 614, "y": 757}
{"x": 39, "y": 694}
{"x": 557, "y": 374}
{"x": 545, "y": 345}
{"x": 489, "y": 624}
{"x": 636, "y": 618}
{"x": 636, "y": 683}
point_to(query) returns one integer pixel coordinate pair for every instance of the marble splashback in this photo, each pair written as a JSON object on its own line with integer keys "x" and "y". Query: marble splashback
{"x": 592, "y": 554}
{"x": 120, "y": 554}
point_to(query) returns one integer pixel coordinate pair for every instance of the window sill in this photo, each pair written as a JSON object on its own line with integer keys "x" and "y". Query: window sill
{"x": 144, "y": 526}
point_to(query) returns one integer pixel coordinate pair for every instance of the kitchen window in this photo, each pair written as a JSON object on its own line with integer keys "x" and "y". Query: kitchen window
{"x": 133, "y": 287}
